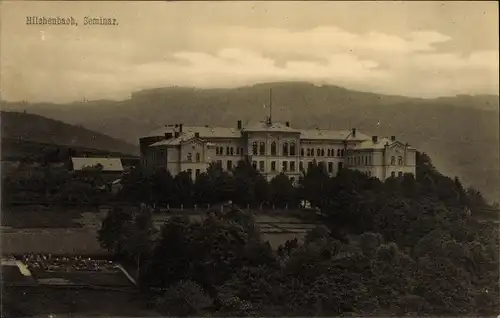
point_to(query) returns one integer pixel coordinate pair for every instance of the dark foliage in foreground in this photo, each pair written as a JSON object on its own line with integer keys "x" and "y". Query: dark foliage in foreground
{"x": 413, "y": 246}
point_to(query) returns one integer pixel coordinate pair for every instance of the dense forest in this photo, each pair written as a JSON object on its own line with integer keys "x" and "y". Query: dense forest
{"x": 416, "y": 245}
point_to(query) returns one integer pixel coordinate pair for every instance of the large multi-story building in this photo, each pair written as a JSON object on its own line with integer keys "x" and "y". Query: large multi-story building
{"x": 274, "y": 148}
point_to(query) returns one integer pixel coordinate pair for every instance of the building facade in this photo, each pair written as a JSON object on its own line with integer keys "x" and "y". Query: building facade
{"x": 274, "y": 148}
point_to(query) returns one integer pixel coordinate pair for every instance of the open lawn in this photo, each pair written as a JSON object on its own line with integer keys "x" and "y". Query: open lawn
{"x": 40, "y": 217}
{"x": 71, "y": 232}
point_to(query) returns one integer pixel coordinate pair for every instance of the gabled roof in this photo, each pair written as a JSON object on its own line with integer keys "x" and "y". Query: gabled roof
{"x": 204, "y": 131}
{"x": 213, "y": 132}
{"x": 108, "y": 164}
{"x": 320, "y": 134}
{"x": 380, "y": 144}
{"x": 273, "y": 127}
{"x": 209, "y": 132}
{"x": 182, "y": 139}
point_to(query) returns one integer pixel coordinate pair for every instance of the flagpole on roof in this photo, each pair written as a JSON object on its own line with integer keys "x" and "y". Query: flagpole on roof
{"x": 270, "y": 104}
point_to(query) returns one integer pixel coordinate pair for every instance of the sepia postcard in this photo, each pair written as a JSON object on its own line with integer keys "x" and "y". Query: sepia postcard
{"x": 249, "y": 158}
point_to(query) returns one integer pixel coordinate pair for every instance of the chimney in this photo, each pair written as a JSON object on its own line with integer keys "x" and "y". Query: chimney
{"x": 374, "y": 139}
{"x": 287, "y": 124}
{"x": 197, "y": 134}
{"x": 239, "y": 124}
{"x": 180, "y": 128}
{"x": 393, "y": 138}
{"x": 354, "y": 132}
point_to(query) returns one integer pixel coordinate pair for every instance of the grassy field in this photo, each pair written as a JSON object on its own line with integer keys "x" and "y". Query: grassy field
{"x": 40, "y": 217}
{"x": 72, "y": 232}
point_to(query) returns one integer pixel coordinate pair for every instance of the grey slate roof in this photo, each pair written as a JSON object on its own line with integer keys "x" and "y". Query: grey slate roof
{"x": 209, "y": 132}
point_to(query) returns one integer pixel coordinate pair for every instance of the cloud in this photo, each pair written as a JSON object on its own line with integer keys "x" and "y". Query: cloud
{"x": 103, "y": 66}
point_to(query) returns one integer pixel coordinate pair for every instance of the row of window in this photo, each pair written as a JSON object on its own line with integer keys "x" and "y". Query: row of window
{"x": 259, "y": 148}
{"x": 320, "y": 152}
{"x": 400, "y": 161}
{"x": 190, "y": 172}
{"x": 367, "y": 160}
{"x": 359, "y": 160}
{"x": 368, "y": 173}
{"x": 393, "y": 174}
{"x": 289, "y": 149}
{"x": 190, "y": 157}
{"x": 288, "y": 166}
{"x": 219, "y": 151}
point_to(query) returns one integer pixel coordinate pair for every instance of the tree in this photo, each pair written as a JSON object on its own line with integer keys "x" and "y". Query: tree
{"x": 409, "y": 185}
{"x": 314, "y": 185}
{"x": 183, "y": 189}
{"x": 173, "y": 255}
{"x": 114, "y": 232}
{"x": 162, "y": 186}
{"x": 140, "y": 234}
{"x": 282, "y": 191}
{"x": 183, "y": 299}
{"x": 370, "y": 242}
{"x": 250, "y": 187}
{"x": 136, "y": 187}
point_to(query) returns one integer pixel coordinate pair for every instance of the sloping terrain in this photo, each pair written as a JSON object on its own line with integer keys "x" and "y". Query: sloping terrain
{"x": 25, "y": 133}
{"x": 461, "y": 133}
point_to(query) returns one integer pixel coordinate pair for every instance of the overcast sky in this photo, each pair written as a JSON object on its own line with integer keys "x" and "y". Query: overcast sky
{"x": 424, "y": 49}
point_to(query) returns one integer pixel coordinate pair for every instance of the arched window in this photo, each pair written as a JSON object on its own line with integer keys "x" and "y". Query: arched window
{"x": 318, "y": 152}
{"x": 198, "y": 157}
{"x": 393, "y": 161}
{"x": 262, "y": 149}
{"x": 285, "y": 148}
{"x": 322, "y": 152}
{"x": 400, "y": 160}
{"x": 254, "y": 148}
{"x": 302, "y": 152}
{"x": 342, "y": 152}
{"x": 338, "y": 152}
{"x": 292, "y": 149}
{"x": 273, "y": 148}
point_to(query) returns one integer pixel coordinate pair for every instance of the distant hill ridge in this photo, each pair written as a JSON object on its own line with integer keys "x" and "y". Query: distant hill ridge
{"x": 460, "y": 133}
{"x": 35, "y": 128}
